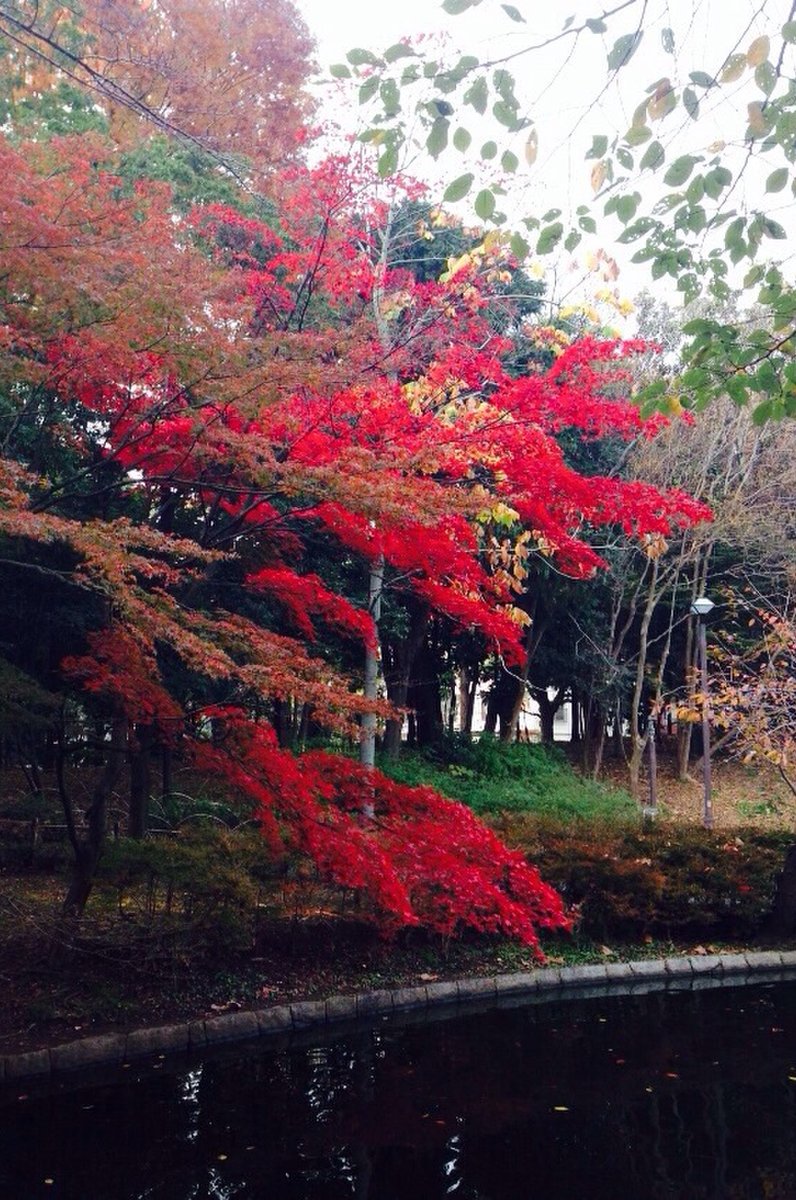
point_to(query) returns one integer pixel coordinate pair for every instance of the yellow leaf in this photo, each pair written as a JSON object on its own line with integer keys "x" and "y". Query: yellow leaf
{"x": 757, "y": 120}
{"x": 598, "y": 175}
{"x": 532, "y": 147}
{"x": 758, "y": 51}
{"x": 733, "y": 68}
{"x": 661, "y": 102}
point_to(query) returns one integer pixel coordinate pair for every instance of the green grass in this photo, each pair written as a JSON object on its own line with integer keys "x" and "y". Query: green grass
{"x": 493, "y": 778}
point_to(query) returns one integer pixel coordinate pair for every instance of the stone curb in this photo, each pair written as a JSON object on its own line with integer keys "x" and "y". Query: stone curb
{"x": 115, "y": 1049}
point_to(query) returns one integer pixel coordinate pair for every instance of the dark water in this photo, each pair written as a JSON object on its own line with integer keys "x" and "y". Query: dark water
{"x": 683, "y": 1095}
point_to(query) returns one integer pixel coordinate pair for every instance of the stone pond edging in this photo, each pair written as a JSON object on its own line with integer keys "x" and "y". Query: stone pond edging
{"x": 117, "y": 1049}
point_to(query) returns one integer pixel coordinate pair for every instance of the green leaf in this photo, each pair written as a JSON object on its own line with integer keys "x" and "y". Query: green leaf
{"x": 388, "y": 161}
{"x": 368, "y": 89}
{"x": 736, "y": 389}
{"x": 697, "y": 218}
{"x": 459, "y": 188}
{"x": 506, "y": 114}
{"x": 702, "y": 79}
{"x": 637, "y": 134}
{"x": 513, "y": 13}
{"x": 768, "y": 377}
{"x": 489, "y": 150}
{"x": 509, "y": 161}
{"x": 733, "y": 234}
{"x": 667, "y": 40}
{"x": 789, "y": 31}
{"x": 773, "y": 229}
{"x": 694, "y": 378}
{"x": 716, "y": 181}
{"x": 503, "y": 82}
{"x": 549, "y": 238}
{"x": 437, "y": 138}
{"x": 699, "y": 326}
{"x": 599, "y": 145}
{"x": 766, "y": 78}
{"x": 359, "y": 58}
{"x": 624, "y": 158}
{"x": 636, "y": 230}
{"x": 596, "y": 25}
{"x": 477, "y": 95}
{"x": 626, "y": 207}
{"x": 679, "y": 171}
{"x": 390, "y": 98}
{"x": 653, "y": 157}
{"x": 588, "y": 224}
{"x": 461, "y": 139}
{"x": 691, "y": 103}
{"x": 623, "y": 50}
{"x": 399, "y": 50}
{"x": 777, "y": 180}
{"x": 695, "y": 190}
{"x": 339, "y": 71}
{"x": 455, "y": 7}
{"x": 484, "y": 204}
{"x": 519, "y": 247}
{"x": 572, "y": 240}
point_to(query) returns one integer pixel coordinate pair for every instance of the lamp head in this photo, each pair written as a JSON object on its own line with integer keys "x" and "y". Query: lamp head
{"x": 702, "y": 607}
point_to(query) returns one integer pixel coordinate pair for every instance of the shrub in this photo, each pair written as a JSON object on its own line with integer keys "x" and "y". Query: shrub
{"x": 675, "y": 883}
{"x": 202, "y": 885}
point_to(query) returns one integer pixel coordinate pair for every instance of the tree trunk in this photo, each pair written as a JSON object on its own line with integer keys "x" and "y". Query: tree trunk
{"x": 468, "y": 687}
{"x": 140, "y": 756}
{"x": 599, "y": 750}
{"x": 576, "y": 730}
{"x": 367, "y": 744}
{"x": 425, "y": 698}
{"x": 398, "y": 660}
{"x": 684, "y": 732}
{"x": 88, "y": 851}
{"x": 501, "y": 704}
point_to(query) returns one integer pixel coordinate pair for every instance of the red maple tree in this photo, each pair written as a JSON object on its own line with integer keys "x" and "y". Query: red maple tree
{"x": 269, "y": 384}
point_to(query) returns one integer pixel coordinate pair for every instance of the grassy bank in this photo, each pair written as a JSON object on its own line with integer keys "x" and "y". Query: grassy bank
{"x": 493, "y": 778}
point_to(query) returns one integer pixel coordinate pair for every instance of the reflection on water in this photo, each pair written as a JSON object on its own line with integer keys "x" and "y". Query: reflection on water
{"x": 686, "y": 1095}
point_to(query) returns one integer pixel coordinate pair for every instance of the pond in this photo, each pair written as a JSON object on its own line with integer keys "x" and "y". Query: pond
{"x": 687, "y": 1094}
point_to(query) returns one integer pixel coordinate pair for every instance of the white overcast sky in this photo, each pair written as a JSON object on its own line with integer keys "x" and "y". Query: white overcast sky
{"x": 566, "y": 97}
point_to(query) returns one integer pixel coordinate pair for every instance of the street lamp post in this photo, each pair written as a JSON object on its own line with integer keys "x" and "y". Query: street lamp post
{"x": 701, "y": 609}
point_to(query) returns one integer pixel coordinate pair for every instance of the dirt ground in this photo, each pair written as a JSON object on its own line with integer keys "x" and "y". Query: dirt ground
{"x": 742, "y": 795}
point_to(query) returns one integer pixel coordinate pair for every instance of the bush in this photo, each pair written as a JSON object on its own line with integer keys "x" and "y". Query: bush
{"x": 675, "y": 883}
{"x": 201, "y": 886}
